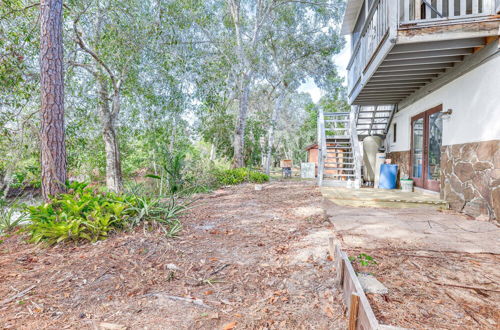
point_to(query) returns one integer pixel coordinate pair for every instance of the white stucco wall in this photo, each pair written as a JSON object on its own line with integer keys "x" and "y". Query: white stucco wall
{"x": 475, "y": 101}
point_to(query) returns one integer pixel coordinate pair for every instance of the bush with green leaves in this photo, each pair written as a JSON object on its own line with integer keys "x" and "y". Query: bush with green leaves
{"x": 84, "y": 214}
{"x": 239, "y": 175}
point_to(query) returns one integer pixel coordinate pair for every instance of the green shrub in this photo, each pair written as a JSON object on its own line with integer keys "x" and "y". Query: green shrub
{"x": 239, "y": 175}
{"x": 86, "y": 215}
{"x": 258, "y": 177}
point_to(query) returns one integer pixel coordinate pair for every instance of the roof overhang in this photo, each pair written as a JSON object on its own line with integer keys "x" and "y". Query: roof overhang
{"x": 350, "y": 16}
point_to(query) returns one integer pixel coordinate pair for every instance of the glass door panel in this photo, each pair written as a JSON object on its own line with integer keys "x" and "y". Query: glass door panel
{"x": 418, "y": 148}
{"x": 427, "y": 132}
{"x": 435, "y": 139}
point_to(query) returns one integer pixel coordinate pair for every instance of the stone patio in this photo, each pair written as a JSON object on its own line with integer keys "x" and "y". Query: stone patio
{"x": 375, "y": 218}
{"x": 370, "y": 197}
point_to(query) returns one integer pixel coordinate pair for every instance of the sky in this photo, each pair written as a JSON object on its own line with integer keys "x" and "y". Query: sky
{"x": 341, "y": 60}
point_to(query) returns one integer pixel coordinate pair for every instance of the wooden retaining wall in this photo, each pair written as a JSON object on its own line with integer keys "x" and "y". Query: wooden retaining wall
{"x": 360, "y": 312}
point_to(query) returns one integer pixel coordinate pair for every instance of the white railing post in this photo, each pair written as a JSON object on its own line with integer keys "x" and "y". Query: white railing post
{"x": 489, "y": 7}
{"x": 475, "y": 7}
{"x": 439, "y": 7}
{"x": 356, "y": 152}
{"x": 418, "y": 6}
{"x": 406, "y": 10}
{"x": 321, "y": 146}
{"x": 463, "y": 7}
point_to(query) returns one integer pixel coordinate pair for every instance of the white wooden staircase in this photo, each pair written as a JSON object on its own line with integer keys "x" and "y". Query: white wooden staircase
{"x": 338, "y": 159}
{"x": 339, "y": 133}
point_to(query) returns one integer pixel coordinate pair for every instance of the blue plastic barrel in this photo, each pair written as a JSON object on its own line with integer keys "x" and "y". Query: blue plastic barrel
{"x": 388, "y": 175}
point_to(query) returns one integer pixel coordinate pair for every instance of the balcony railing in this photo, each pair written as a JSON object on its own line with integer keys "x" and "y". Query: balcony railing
{"x": 421, "y": 11}
{"x": 373, "y": 33}
{"x": 386, "y": 16}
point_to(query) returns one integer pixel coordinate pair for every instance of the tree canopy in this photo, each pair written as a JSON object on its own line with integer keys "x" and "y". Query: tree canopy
{"x": 145, "y": 80}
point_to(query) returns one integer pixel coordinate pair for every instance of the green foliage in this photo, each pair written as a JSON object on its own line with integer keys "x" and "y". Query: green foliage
{"x": 87, "y": 215}
{"x": 174, "y": 167}
{"x": 363, "y": 259}
{"x": 257, "y": 177}
{"x": 10, "y": 216}
{"x": 239, "y": 175}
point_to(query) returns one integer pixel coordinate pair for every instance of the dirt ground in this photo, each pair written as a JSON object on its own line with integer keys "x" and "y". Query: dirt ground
{"x": 245, "y": 259}
{"x": 441, "y": 268}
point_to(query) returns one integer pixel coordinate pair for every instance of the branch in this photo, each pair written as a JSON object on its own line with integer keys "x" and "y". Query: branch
{"x": 89, "y": 51}
{"x": 87, "y": 67}
{"x": 21, "y": 9}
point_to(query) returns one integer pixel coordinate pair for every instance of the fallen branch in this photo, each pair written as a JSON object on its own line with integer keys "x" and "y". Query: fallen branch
{"x": 17, "y": 295}
{"x": 465, "y": 287}
{"x": 219, "y": 269}
{"x": 197, "y": 302}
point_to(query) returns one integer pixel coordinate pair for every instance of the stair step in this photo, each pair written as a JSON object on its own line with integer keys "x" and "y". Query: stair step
{"x": 336, "y": 121}
{"x": 337, "y": 163}
{"x": 341, "y": 148}
{"x": 339, "y": 175}
{"x": 333, "y": 137}
{"x": 336, "y": 114}
{"x": 339, "y": 144}
{"x": 370, "y": 111}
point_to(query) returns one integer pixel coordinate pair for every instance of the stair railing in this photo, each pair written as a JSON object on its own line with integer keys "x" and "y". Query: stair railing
{"x": 356, "y": 151}
{"x": 321, "y": 146}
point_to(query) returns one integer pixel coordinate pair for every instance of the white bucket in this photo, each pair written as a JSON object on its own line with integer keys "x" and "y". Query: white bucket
{"x": 406, "y": 185}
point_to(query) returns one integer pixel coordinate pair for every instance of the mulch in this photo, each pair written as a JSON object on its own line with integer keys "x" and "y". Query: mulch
{"x": 231, "y": 267}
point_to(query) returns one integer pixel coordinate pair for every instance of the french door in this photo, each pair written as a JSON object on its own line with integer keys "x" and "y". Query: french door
{"x": 426, "y": 140}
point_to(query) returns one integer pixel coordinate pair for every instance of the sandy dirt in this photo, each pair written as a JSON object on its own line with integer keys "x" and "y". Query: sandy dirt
{"x": 245, "y": 259}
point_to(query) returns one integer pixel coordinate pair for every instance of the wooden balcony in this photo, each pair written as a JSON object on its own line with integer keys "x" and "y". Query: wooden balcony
{"x": 403, "y": 45}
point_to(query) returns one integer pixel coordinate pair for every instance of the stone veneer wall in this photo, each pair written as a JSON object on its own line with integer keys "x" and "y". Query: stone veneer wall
{"x": 470, "y": 178}
{"x": 402, "y": 158}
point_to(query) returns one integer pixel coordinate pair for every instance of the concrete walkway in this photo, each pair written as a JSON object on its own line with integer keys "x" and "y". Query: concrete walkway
{"x": 363, "y": 221}
{"x": 370, "y": 197}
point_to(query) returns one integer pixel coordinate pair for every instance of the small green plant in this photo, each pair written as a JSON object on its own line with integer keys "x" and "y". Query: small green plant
{"x": 363, "y": 259}
{"x": 10, "y": 216}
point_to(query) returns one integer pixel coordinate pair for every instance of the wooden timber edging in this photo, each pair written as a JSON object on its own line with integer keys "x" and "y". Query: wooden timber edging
{"x": 360, "y": 313}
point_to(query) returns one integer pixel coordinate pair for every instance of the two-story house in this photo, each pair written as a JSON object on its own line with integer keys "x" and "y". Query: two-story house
{"x": 425, "y": 76}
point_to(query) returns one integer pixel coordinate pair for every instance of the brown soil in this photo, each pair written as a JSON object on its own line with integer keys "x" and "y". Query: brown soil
{"x": 435, "y": 290}
{"x": 245, "y": 259}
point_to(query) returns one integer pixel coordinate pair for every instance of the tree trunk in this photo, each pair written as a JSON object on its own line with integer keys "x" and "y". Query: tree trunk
{"x": 53, "y": 149}
{"x": 272, "y": 127}
{"x": 114, "y": 180}
{"x": 239, "y": 134}
{"x": 212, "y": 152}
{"x": 172, "y": 135}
